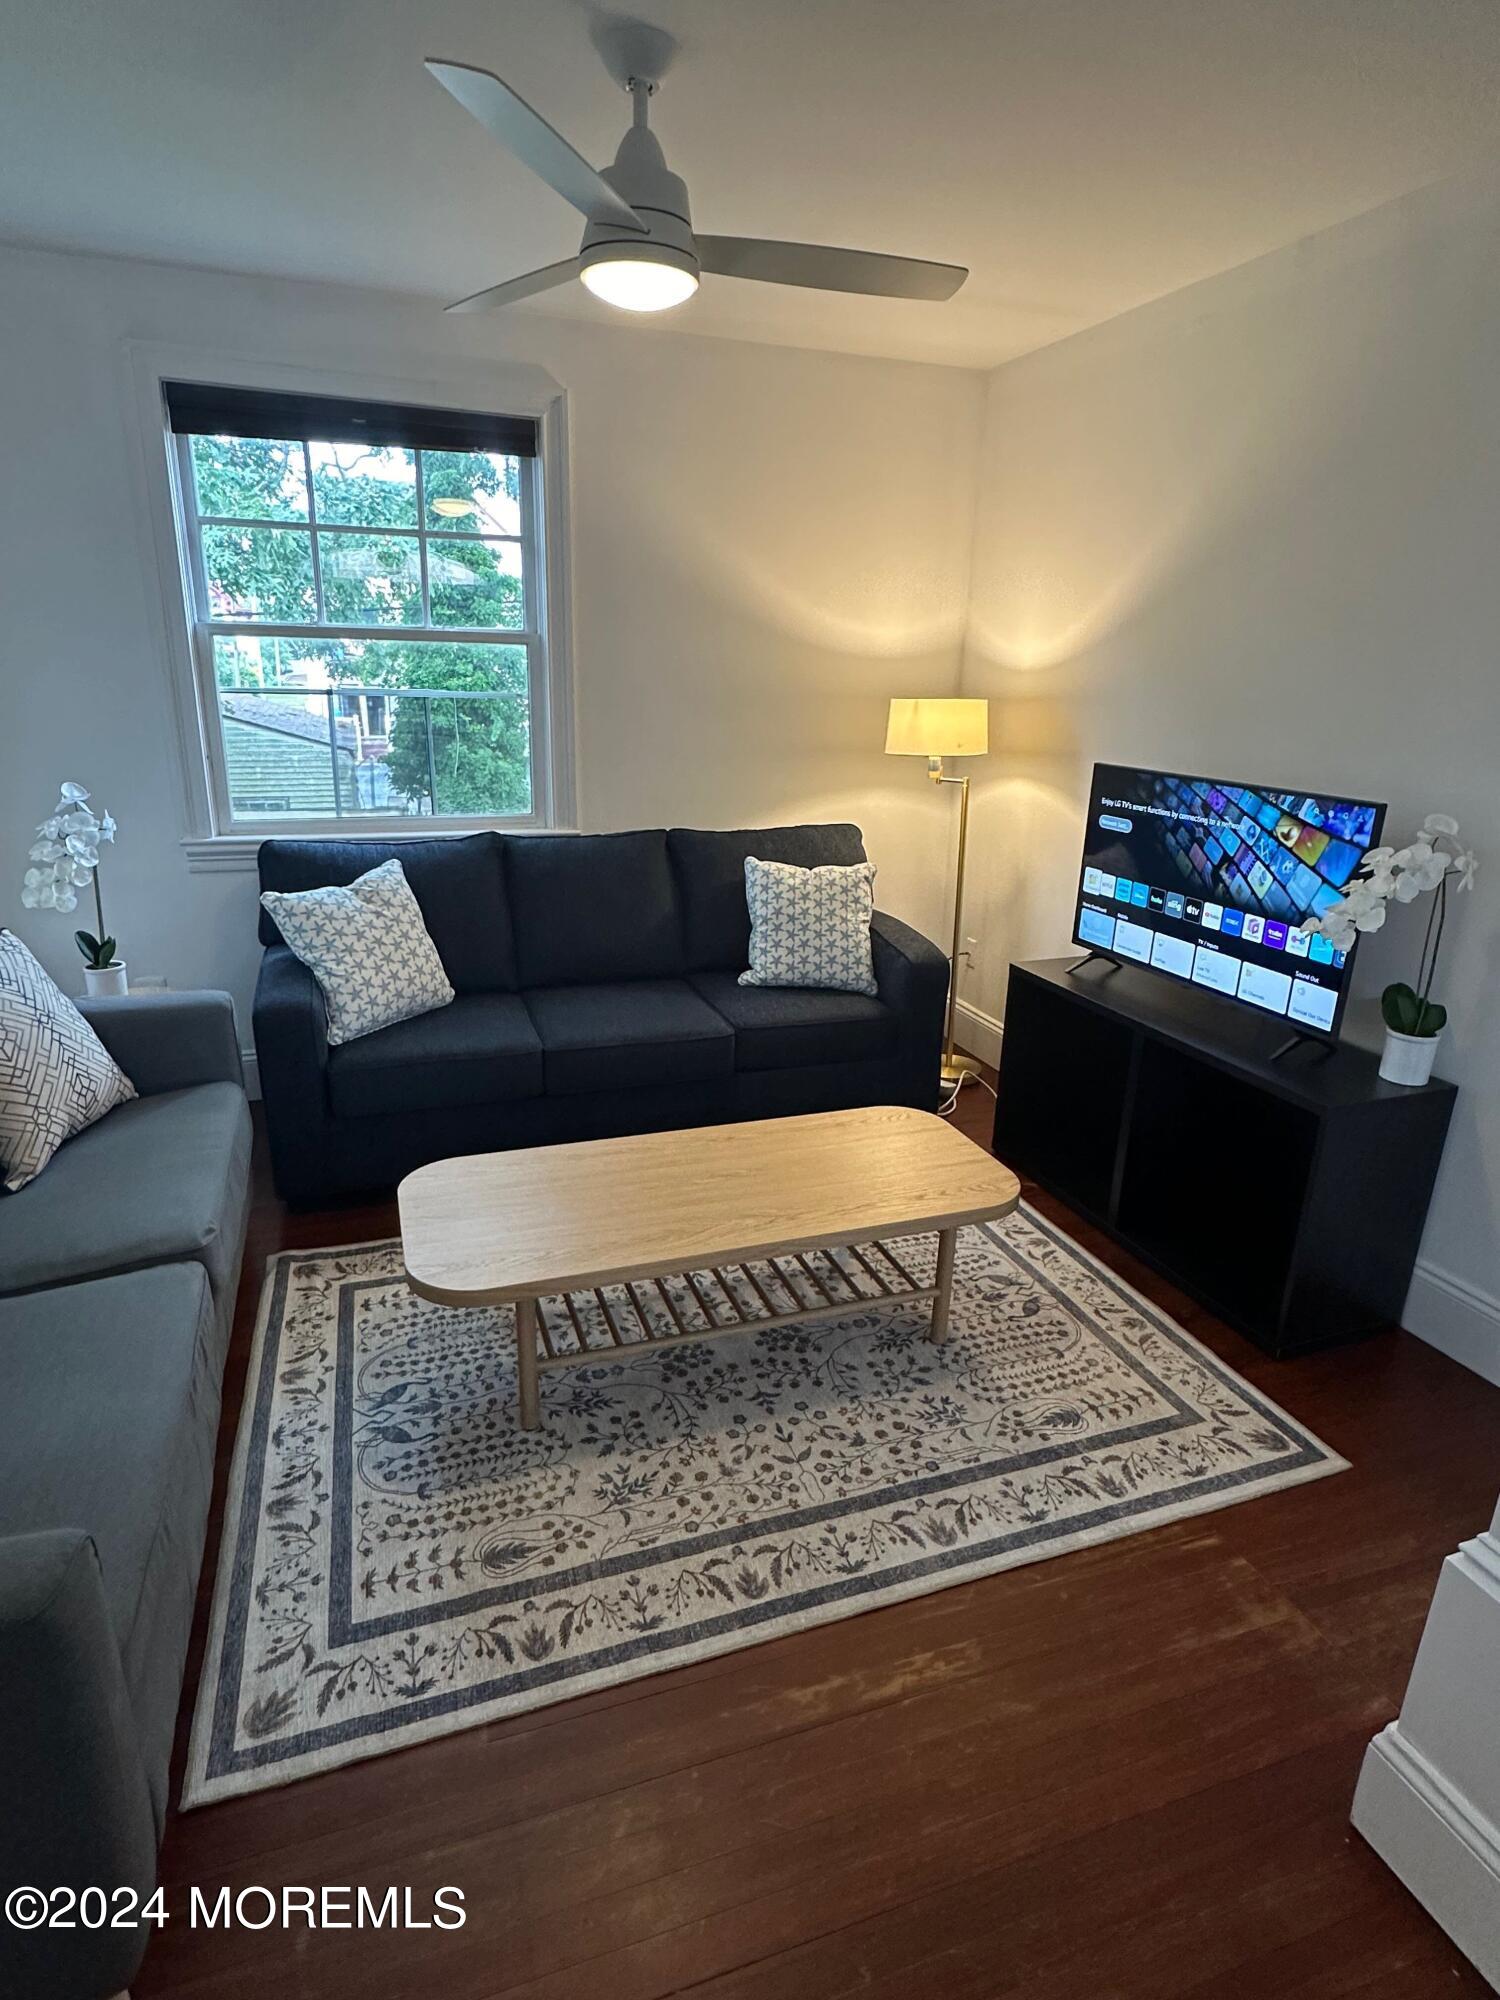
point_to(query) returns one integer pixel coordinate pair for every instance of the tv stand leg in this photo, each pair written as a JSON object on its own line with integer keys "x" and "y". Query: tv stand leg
{"x": 1324, "y": 1049}
{"x": 1094, "y": 958}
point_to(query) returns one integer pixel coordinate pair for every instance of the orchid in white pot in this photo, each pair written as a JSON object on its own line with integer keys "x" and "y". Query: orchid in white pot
{"x": 64, "y": 859}
{"x": 1430, "y": 861}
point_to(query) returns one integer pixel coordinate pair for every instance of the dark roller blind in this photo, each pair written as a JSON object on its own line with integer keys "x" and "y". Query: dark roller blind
{"x": 200, "y": 409}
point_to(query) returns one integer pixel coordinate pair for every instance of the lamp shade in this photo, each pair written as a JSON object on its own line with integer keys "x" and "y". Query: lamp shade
{"x": 918, "y": 727}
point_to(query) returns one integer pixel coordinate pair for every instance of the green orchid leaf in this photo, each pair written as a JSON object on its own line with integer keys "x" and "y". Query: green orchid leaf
{"x": 1400, "y": 1008}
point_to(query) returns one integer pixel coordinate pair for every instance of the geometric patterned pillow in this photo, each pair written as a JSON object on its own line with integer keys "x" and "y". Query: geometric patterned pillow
{"x": 810, "y": 926}
{"x": 56, "y": 1076}
{"x": 368, "y": 949}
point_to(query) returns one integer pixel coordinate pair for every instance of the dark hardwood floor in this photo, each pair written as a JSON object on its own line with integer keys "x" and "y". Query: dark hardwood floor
{"x": 1124, "y": 1772}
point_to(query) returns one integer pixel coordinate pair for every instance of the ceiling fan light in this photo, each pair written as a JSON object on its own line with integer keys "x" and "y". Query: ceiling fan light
{"x": 645, "y": 280}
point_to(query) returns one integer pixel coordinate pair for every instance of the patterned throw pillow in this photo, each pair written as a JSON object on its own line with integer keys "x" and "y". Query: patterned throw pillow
{"x": 368, "y": 949}
{"x": 56, "y": 1076}
{"x": 810, "y": 926}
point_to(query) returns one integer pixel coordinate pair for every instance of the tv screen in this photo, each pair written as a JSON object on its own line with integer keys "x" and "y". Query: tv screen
{"x": 1207, "y": 881}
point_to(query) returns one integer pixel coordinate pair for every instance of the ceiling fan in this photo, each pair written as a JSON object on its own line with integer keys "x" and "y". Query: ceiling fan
{"x": 639, "y": 248}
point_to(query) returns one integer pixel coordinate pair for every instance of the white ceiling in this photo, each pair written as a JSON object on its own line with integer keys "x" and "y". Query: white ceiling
{"x": 1081, "y": 156}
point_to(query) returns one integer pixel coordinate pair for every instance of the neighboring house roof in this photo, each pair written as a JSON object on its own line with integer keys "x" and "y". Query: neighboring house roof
{"x": 265, "y": 711}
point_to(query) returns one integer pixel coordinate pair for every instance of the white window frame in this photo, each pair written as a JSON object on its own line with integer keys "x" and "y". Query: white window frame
{"x": 213, "y": 838}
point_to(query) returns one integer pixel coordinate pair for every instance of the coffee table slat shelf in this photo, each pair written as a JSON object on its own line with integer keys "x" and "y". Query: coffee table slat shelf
{"x": 596, "y": 1331}
{"x": 612, "y": 1245}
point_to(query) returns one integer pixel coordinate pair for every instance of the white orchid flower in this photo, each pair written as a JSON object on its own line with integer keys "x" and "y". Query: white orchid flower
{"x": 1379, "y": 871}
{"x": 84, "y": 847}
{"x": 44, "y": 850}
{"x": 1337, "y": 926}
{"x": 64, "y": 899}
{"x": 107, "y": 827}
{"x": 1426, "y": 868}
{"x": 1372, "y": 918}
{"x": 31, "y": 899}
{"x": 1440, "y": 823}
{"x": 1465, "y": 865}
{"x": 73, "y": 794}
{"x": 50, "y": 827}
{"x": 1361, "y": 895}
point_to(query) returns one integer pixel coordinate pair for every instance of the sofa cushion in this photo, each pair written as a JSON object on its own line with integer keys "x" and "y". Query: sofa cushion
{"x": 108, "y": 1424}
{"x": 459, "y": 884}
{"x": 710, "y": 871}
{"x": 626, "y": 1036}
{"x": 795, "y": 1027}
{"x": 480, "y": 1050}
{"x": 161, "y": 1179}
{"x": 593, "y": 906}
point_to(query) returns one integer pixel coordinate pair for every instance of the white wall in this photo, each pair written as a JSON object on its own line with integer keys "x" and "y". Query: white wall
{"x": 765, "y": 545}
{"x": 1254, "y": 528}
{"x": 1256, "y": 524}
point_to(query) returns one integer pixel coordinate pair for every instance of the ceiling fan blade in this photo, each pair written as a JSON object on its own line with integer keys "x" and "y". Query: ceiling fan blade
{"x": 828, "y": 270}
{"x": 518, "y": 288}
{"x": 528, "y": 135}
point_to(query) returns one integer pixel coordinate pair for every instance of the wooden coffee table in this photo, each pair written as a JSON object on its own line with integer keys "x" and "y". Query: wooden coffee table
{"x": 769, "y": 1223}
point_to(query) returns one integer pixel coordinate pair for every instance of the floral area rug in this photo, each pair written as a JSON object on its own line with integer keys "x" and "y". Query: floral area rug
{"x": 400, "y": 1559}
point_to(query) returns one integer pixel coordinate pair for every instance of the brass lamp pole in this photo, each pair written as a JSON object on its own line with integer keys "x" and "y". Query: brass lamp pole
{"x": 936, "y": 729}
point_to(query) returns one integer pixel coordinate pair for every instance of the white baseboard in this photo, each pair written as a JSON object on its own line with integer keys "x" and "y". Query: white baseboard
{"x": 1429, "y": 1790}
{"x": 977, "y": 1032}
{"x": 1455, "y": 1317}
{"x": 1430, "y": 1839}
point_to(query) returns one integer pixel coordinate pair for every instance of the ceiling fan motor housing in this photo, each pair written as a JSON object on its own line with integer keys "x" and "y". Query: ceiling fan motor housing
{"x": 640, "y": 176}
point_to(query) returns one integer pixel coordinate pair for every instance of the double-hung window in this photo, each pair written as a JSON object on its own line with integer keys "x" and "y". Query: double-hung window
{"x": 367, "y": 602}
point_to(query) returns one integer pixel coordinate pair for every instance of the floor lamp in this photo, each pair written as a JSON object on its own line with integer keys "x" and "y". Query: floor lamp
{"x": 937, "y": 729}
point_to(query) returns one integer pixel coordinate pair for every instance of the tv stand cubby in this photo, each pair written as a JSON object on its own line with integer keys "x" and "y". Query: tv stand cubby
{"x": 1287, "y": 1196}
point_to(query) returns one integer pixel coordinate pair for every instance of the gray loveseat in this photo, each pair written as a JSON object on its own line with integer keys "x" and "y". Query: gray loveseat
{"x": 118, "y": 1270}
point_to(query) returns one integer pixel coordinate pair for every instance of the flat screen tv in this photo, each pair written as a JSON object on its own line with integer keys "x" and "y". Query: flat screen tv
{"x": 1206, "y": 881}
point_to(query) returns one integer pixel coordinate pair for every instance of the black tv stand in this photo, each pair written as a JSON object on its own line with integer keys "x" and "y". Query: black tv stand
{"x": 1324, "y": 1047}
{"x": 1095, "y": 958}
{"x": 1288, "y": 1197}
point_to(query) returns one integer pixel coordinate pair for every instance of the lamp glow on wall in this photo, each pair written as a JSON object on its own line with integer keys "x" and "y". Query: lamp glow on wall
{"x": 935, "y": 729}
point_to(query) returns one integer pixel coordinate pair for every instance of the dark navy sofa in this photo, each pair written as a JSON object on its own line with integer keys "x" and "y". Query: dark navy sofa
{"x": 597, "y": 993}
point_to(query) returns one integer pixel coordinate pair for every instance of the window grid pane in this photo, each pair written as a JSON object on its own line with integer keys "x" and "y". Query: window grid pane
{"x": 332, "y": 700}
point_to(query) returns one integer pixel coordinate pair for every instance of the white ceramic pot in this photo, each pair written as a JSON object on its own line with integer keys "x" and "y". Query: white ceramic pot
{"x": 1408, "y": 1058}
{"x": 105, "y": 982}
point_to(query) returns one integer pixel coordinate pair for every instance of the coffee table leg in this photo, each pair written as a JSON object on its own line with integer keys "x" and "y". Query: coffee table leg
{"x": 947, "y": 1242}
{"x": 530, "y": 1405}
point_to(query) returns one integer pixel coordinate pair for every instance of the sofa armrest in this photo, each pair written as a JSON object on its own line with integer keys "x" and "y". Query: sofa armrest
{"x": 291, "y": 1051}
{"x": 910, "y": 971}
{"x": 77, "y": 1809}
{"x": 912, "y": 977}
{"x": 168, "y": 1041}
